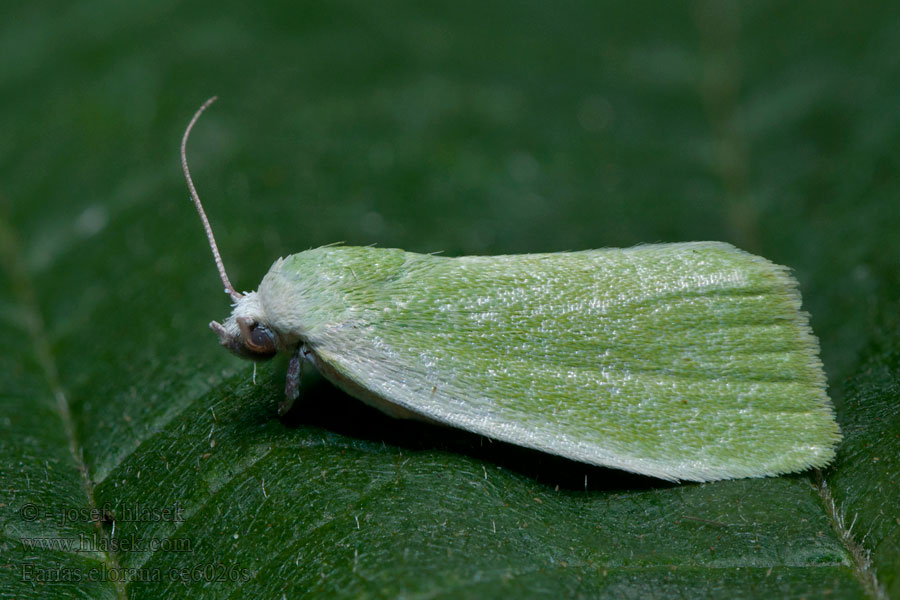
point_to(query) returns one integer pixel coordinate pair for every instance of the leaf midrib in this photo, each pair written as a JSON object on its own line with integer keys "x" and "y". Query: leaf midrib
{"x": 23, "y": 292}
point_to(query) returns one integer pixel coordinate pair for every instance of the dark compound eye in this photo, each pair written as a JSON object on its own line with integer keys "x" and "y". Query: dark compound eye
{"x": 261, "y": 340}
{"x": 258, "y": 339}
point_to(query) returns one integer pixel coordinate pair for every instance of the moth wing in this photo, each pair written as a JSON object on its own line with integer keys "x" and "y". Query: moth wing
{"x": 681, "y": 361}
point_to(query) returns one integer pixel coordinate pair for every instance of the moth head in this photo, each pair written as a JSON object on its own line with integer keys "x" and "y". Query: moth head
{"x": 245, "y": 332}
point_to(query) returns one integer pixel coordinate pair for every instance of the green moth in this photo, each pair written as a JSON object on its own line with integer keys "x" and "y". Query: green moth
{"x": 688, "y": 361}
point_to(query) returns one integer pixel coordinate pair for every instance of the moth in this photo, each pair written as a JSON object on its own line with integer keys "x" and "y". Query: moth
{"x": 687, "y": 361}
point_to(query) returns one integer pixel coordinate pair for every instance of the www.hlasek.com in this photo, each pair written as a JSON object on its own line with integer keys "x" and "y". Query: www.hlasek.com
{"x": 201, "y": 572}
{"x": 102, "y": 543}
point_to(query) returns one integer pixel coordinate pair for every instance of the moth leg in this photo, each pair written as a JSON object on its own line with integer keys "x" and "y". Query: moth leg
{"x": 292, "y": 381}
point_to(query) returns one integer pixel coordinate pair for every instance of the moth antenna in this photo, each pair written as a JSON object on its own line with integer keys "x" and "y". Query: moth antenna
{"x": 229, "y": 289}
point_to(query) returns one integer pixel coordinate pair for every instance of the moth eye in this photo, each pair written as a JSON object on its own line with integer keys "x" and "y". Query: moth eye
{"x": 261, "y": 340}
{"x": 258, "y": 339}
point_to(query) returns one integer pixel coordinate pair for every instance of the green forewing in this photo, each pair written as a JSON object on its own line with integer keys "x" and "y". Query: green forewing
{"x": 682, "y": 361}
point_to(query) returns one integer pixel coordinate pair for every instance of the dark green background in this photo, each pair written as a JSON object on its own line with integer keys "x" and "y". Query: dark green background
{"x": 462, "y": 127}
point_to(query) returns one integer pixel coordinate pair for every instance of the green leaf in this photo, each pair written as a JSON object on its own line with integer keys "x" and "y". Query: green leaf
{"x": 139, "y": 460}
